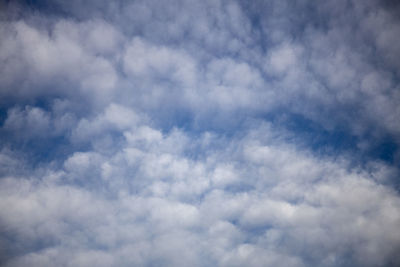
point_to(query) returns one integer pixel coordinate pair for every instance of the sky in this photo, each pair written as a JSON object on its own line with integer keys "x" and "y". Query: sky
{"x": 199, "y": 133}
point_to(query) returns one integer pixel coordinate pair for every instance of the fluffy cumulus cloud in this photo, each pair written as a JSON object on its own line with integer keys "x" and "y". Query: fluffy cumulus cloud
{"x": 199, "y": 133}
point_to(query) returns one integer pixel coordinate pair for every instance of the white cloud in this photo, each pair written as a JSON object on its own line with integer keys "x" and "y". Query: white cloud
{"x": 135, "y": 134}
{"x": 36, "y": 59}
{"x": 32, "y": 119}
{"x": 317, "y": 204}
{"x": 146, "y": 61}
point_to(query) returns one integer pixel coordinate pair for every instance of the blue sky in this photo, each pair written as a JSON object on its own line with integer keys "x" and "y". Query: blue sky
{"x": 199, "y": 133}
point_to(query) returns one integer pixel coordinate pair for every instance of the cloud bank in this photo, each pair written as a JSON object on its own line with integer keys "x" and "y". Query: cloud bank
{"x": 186, "y": 133}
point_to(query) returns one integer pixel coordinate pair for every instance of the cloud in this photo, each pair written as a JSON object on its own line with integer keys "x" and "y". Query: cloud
{"x": 64, "y": 60}
{"x": 269, "y": 204}
{"x": 206, "y": 133}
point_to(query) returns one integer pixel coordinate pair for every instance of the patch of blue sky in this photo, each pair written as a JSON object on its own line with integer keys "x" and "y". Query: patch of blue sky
{"x": 336, "y": 141}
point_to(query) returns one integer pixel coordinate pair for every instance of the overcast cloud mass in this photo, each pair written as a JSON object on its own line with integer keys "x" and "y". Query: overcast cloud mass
{"x": 199, "y": 133}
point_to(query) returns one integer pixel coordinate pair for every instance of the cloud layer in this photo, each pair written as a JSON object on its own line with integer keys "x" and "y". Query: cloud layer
{"x": 213, "y": 133}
